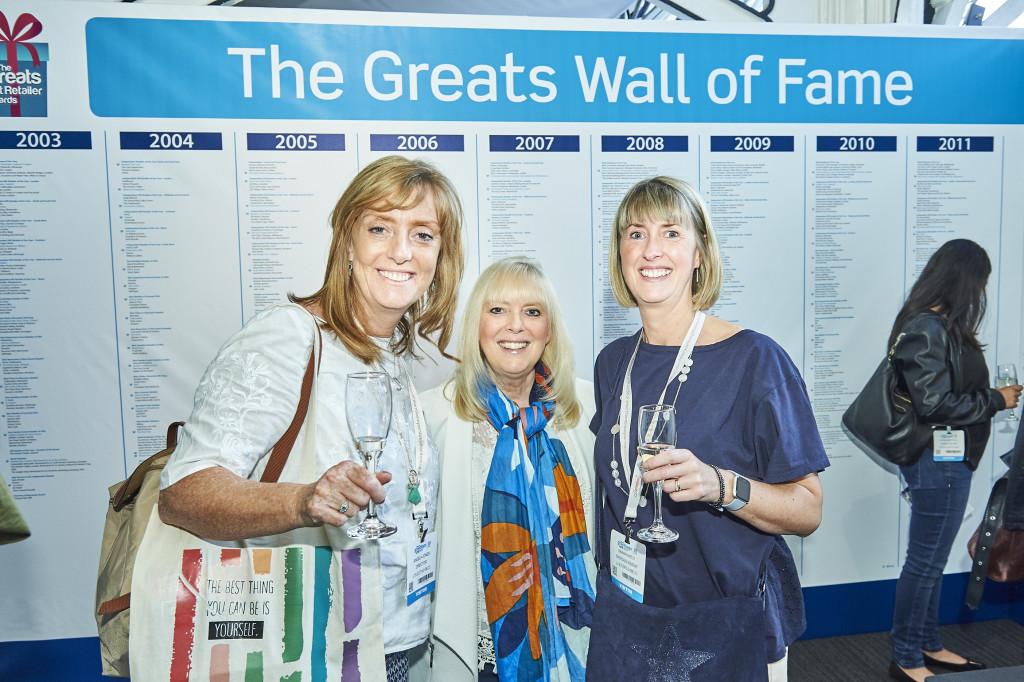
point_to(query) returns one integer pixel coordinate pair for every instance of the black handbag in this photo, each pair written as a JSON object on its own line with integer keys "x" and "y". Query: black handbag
{"x": 883, "y": 418}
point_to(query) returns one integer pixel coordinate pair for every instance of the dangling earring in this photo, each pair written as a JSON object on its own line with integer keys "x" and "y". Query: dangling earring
{"x": 696, "y": 278}
{"x": 432, "y": 287}
{"x": 350, "y": 268}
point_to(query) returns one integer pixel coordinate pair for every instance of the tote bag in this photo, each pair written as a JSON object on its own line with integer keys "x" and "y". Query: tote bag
{"x": 305, "y": 604}
{"x": 722, "y": 639}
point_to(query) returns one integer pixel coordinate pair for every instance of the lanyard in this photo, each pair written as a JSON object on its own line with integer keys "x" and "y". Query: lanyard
{"x": 621, "y": 428}
{"x": 419, "y": 507}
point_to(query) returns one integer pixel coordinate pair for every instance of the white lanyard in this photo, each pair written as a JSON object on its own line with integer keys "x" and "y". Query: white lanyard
{"x": 419, "y": 509}
{"x": 634, "y": 481}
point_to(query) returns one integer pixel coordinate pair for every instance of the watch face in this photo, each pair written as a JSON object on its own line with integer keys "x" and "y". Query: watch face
{"x": 742, "y": 489}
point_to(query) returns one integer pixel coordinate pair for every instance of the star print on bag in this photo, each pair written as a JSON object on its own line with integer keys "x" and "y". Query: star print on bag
{"x": 669, "y": 661}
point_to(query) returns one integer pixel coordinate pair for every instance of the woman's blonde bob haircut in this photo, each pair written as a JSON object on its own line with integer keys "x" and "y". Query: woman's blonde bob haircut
{"x": 516, "y": 278}
{"x": 669, "y": 200}
{"x": 392, "y": 182}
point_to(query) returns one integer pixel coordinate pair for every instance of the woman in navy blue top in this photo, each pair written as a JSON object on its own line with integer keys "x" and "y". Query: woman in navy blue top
{"x": 743, "y": 472}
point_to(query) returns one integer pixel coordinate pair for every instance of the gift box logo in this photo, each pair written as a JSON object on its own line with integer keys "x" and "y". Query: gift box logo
{"x": 23, "y": 73}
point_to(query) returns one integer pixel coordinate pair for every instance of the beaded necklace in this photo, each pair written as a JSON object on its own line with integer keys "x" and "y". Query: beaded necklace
{"x": 620, "y": 430}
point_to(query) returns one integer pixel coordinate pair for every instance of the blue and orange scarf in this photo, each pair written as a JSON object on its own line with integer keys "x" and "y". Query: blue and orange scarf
{"x": 533, "y": 523}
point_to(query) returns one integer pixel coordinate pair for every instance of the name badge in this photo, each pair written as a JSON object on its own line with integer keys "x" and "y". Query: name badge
{"x": 420, "y": 571}
{"x": 948, "y": 445}
{"x": 629, "y": 565}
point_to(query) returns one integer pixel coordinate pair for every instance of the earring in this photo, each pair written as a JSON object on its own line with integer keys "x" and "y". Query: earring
{"x": 350, "y": 268}
{"x": 431, "y": 287}
{"x": 696, "y": 277}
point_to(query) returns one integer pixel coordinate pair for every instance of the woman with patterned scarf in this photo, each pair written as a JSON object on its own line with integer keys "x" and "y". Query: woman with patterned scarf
{"x": 515, "y": 505}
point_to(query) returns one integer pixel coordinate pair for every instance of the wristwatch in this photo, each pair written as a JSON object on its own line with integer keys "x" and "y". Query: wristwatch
{"x": 740, "y": 492}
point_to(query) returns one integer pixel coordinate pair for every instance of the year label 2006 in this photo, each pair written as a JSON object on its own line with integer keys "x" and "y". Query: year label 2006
{"x": 417, "y": 142}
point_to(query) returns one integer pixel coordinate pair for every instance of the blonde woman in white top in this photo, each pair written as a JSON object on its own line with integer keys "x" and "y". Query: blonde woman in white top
{"x": 516, "y": 454}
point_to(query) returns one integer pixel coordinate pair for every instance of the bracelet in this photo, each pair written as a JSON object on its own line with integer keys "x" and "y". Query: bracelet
{"x": 721, "y": 489}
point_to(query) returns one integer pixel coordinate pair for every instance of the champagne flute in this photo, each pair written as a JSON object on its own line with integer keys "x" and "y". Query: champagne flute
{"x": 1006, "y": 375}
{"x": 368, "y": 411}
{"x": 656, "y": 432}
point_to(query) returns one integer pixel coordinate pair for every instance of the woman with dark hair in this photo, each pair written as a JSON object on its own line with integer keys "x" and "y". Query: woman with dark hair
{"x": 939, "y": 356}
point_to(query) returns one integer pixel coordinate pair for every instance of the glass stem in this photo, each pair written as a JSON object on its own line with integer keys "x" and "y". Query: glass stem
{"x": 657, "y": 504}
{"x": 370, "y": 459}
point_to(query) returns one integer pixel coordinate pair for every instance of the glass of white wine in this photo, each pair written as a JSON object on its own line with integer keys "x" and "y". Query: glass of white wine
{"x": 656, "y": 431}
{"x": 368, "y": 411}
{"x": 1006, "y": 375}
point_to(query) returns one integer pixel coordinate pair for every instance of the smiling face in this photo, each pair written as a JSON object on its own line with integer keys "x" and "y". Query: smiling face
{"x": 394, "y": 256}
{"x": 658, "y": 259}
{"x": 513, "y": 335}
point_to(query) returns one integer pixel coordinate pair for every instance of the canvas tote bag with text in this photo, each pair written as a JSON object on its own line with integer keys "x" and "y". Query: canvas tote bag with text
{"x": 305, "y": 604}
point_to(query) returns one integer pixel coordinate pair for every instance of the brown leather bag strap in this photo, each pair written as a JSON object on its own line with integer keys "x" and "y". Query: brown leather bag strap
{"x": 986, "y": 539}
{"x": 130, "y": 488}
{"x": 283, "y": 447}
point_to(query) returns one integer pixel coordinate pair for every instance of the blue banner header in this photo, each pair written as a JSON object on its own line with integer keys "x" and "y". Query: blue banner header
{"x": 255, "y": 70}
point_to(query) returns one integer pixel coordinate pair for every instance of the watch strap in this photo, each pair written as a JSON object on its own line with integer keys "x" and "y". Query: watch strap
{"x": 740, "y": 492}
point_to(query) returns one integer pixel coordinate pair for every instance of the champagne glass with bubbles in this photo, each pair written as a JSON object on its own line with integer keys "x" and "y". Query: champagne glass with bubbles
{"x": 1006, "y": 375}
{"x": 368, "y": 411}
{"x": 656, "y": 432}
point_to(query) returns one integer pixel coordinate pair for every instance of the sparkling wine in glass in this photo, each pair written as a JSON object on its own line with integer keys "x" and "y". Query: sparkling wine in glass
{"x": 656, "y": 432}
{"x": 368, "y": 411}
{"x": 1006, "y": 375}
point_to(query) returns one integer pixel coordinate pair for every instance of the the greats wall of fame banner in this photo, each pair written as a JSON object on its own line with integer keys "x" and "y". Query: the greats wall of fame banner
{"x": 168, "y": 171}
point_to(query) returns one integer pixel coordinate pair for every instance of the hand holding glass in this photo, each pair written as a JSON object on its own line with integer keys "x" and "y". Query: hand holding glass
{"x": 1006, "y": 375}
{"x": 368, "y": 411}
{"x": 656, "y": 432}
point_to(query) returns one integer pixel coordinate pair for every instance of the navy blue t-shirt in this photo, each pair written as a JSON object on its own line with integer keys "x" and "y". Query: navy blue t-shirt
{"x": 743, "y": 407}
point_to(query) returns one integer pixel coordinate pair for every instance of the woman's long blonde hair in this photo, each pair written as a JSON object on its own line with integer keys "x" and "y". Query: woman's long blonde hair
{"x": 392, "y": 182}
{"x": 513, "y": 278}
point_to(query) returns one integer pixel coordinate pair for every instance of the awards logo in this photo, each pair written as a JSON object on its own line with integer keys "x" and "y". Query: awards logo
{"x": 23, "y": 71}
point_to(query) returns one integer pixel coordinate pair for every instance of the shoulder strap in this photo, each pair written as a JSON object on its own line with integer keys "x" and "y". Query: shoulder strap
{"x": 279, "y": 455}
{"x": 986, "y": 539}
{"x": 131, "y": 486}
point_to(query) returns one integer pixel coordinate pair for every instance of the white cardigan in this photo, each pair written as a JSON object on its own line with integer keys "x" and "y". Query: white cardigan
{"x": 456, "y": 594}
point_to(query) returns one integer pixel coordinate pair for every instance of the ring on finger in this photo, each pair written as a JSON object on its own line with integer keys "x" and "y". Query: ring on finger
{"x": 344, "y": 507}
{"x": 678, "y": 487}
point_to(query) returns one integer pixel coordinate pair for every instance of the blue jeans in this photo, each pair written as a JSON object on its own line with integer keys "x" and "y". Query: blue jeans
{"x": 938, "y": 499}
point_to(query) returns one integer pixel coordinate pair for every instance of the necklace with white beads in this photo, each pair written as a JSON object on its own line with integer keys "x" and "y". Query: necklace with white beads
{"x": 620, "y": 430}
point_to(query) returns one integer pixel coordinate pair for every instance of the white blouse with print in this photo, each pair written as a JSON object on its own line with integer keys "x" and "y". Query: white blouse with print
{"x": 246, "y": 400}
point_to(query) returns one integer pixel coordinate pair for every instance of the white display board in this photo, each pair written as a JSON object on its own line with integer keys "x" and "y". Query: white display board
{"x": 167, "y": 172}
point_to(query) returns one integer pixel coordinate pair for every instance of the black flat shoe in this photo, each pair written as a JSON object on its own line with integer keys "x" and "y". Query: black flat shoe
{"x": 896, "y": 673}
{"x": 955, "y": 667}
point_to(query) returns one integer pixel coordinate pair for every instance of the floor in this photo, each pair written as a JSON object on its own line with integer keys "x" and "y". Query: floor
{"x": 865, "y": 658}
